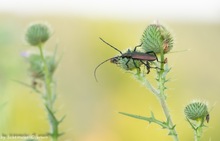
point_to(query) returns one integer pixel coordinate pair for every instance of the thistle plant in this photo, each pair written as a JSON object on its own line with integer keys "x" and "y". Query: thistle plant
{"x": 196, "y": 114}
{"x": 158, "y": 41}
{"x": 42, "y": 67}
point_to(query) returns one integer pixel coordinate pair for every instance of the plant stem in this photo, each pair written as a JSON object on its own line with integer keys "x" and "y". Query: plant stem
{"x": 49, "y": 98}
{"x": 162, "y": 97}
{"x": 198, "y": 133}
{"x": 198, "y": 129}
{"x": 168, "y": 117}
{"x": 159, "y": 93}
{"x": 47, "y": 77}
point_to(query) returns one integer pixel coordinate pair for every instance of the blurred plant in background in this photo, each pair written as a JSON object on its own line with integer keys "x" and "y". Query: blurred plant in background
{"x": 42, "y": 66}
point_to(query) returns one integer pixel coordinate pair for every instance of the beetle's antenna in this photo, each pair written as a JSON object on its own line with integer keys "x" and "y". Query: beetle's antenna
{"x": 180, "y": 51}
{"x": 98, "y": 67}
{"x": 110, "y": 45}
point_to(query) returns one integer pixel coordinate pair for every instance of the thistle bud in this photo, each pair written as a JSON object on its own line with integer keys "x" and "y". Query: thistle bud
{"x": 196, "y": 111}
{"x": 37, "y": 34}
{"x": 155, "y": 38}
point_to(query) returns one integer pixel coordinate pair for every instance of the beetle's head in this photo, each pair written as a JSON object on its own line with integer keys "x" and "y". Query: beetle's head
{"x": 115, "y": 60}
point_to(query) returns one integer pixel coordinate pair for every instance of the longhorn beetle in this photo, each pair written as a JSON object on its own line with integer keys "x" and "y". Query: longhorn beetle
{"x": 144, "y": 58}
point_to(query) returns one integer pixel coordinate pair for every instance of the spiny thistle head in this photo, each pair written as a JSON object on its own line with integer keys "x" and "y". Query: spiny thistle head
{"x": 155, "y": 38}
{"x": 36, "y": 64}
{"x": 196, "y": 110}
{"x": 37, "y": 34}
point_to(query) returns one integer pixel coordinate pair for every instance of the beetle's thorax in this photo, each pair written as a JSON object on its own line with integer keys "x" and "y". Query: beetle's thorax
{"x": 127, "y": 54}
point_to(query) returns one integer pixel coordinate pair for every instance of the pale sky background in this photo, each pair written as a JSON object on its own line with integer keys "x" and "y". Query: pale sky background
{"x": 182, "y": 10}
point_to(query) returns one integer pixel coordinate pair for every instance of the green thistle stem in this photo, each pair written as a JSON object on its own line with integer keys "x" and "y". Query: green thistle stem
{"x": 47, "y": 79}
{"x": 198, "y": 133}
{"x": 49, "y": 98}
{"x": 168, "y": 117}
{"x": 159, "y": 93}
{"x": 162, "y": 96}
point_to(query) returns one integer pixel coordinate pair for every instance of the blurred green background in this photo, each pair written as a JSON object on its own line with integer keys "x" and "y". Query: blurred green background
{"x": 92, "y": 108}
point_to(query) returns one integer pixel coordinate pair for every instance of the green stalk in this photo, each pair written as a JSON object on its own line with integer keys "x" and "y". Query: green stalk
{"x": 159, "y": 93}
{"x": 162, "y": 97}
{"x": 49, "y": 98}
{"x": 198, "y": 130}
{"x": 47, "y": 77}
{"x": 198, "y": 133}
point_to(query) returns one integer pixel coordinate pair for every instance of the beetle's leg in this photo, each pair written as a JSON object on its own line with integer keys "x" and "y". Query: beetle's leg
{"x": 153, "y": 54}
{"x": 155, "y": 67}
{"x": 137, "y": 47}
{"x": 147, "y": 65}
{"x": 127, "y": 63}
{"x": 165, "y": 61}
{"x": 136, "y": 65}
